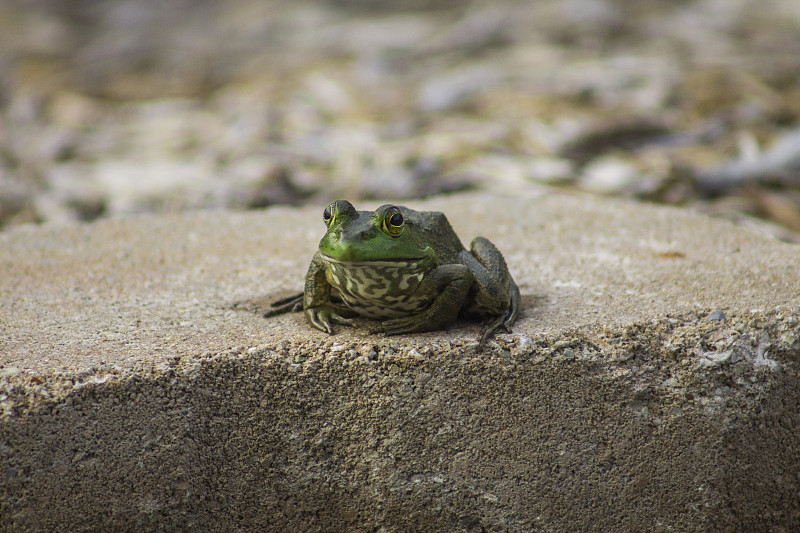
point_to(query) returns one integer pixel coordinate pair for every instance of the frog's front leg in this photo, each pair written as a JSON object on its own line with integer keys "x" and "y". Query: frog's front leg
{"x": 320, "y": 312}
{"x": 450, "y": 284}
{"x": 495, "y": 294}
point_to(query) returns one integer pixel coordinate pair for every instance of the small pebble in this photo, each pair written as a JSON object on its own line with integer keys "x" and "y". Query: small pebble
{"x": 525, "y": 341}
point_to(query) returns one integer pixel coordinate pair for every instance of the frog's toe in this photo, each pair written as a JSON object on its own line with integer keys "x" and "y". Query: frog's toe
{"x": 505, "y": 322}
{"x": 485, "y": 336}
{"x": 510, "y": 318}
{"x": 287, "y": 305}
{"x": 491, "y": 327}
{"x": 513, "y": 308}
{"x": 339, "y": 319}
{"x": 320, "y": 319}
{"x": 400, "y": 330}
{"x": 399, "y": 326}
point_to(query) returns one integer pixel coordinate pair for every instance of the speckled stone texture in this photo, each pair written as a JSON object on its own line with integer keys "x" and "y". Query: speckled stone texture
{"x": 651, "y": 383}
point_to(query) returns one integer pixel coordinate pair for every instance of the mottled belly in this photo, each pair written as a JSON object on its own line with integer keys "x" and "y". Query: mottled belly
{"x": 379, "y": 289}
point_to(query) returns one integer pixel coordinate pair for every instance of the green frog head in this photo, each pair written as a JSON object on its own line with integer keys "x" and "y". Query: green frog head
{"x": 363, "y": 236}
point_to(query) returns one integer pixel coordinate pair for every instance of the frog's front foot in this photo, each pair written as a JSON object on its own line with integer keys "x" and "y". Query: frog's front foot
{"x": 323, "y": 319}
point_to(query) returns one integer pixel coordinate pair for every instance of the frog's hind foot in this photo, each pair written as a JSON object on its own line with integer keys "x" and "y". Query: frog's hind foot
{"x": 289, "y": 304}
{"x": 513, "y": 308}
{"x": 491, "y": 327}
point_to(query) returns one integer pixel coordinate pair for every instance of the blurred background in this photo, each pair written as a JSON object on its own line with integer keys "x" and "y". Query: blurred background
{"x": 128, "y": 106}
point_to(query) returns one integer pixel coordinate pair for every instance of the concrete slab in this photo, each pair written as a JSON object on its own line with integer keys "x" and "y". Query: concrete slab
{"x": 141, "y": 388}
{"x": 152, "y": 288}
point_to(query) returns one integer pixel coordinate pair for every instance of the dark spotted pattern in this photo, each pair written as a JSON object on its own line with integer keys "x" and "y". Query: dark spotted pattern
{"x": 379, "y": 289}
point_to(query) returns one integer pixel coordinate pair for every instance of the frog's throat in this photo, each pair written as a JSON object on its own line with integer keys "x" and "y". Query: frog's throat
{"x": 379, "y": 289}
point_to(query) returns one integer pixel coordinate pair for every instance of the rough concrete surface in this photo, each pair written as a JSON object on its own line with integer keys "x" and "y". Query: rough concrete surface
{"x": 651, "y": 383}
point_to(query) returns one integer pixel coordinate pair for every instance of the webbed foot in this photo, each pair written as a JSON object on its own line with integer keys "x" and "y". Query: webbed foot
{"x": 490, "y": 328}
{"x": 400, "y": 326}
{"x": 289, "y": 304}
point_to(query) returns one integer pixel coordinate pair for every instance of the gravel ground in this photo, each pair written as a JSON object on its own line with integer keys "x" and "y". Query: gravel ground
{"x": 118, "y": 107}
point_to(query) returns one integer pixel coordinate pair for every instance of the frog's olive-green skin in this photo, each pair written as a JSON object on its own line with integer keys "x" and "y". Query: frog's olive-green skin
{"x": 405, "y": 268}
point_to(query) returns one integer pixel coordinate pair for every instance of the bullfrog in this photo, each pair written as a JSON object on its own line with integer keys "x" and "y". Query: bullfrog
{"x": 406, "y": 269}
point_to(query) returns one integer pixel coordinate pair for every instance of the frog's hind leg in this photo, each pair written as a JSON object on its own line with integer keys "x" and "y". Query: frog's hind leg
{"x": 451, "y": 284}
{"x": 494, "y": 294}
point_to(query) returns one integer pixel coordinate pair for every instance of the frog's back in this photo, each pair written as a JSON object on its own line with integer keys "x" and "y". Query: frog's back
{"x": 433, "y": 228}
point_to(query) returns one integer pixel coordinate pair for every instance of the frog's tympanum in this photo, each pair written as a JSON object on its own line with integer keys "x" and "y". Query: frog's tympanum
{"x": 406, "y": 269}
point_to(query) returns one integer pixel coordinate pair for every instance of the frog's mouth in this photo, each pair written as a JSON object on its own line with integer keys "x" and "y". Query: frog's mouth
{"x": 409, "y": 262}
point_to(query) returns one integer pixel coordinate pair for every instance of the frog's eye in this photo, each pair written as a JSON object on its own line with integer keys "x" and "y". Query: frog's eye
{"x": 338, "y": 211}
{"x": 393, "y": 221}
{"x": 327, "y": 215}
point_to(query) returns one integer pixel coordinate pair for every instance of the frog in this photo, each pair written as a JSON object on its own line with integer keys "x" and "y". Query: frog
{"x": 406, "y": 269}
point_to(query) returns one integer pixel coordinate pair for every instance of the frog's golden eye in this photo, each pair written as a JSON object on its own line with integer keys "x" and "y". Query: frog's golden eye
{"x": 393, "y": 221}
